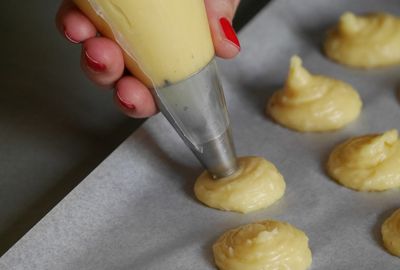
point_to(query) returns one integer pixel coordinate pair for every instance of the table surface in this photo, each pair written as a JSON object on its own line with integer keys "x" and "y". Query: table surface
{"x": 55, "y": 126}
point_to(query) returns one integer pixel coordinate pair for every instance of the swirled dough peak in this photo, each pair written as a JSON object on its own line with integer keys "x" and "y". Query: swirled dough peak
{"x": 313, "y": 103}
{"x": 367, "y": 41}
{"x": 257, "y": 184}
{"x": 265, "y": 245}
{"x": 391, "y": 233}
{"x": 367, "y": 163}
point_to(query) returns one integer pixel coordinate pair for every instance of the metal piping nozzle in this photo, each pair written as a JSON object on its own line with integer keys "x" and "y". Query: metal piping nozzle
{"x": 196, "y": 108}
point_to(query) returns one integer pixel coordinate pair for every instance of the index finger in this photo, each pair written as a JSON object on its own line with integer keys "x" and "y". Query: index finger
{"x": 73, "y": 24}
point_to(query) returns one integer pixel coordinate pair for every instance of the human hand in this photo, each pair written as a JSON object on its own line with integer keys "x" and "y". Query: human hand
{"x": 103, "y": 63}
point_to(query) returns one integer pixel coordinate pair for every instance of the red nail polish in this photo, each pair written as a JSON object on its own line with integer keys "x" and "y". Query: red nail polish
{"x": 93, "y": 64}
{"x": 229, "y": 32}
{"x": 68, "y": 36}
{"x": 125, "y": 104}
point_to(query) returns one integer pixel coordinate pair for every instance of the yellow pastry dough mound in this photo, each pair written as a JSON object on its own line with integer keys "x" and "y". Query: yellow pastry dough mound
{"x": 313, "y": 103}
{"x": 366, "y": 41}
{"x": 257, "y": 184}
{"x": 367, "y": 163}
{"x": 391, "y": 233}
{"x": 265, "y": 245}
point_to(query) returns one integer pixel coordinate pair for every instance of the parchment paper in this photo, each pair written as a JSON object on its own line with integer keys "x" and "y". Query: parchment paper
{"x": 137, "y": 209}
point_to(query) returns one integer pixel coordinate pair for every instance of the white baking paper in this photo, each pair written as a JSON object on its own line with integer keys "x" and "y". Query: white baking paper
{"x": 137, "y": 209}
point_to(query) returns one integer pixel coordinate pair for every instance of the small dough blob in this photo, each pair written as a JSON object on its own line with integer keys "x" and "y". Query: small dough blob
{"x": 367, "y": 163}
{"x": 367, "y": 41}
{"x": 313, "y": 103}
{"x": 391, "y": 233}
{"x": 257, "y": 184}
{"x": 265, "y": 245}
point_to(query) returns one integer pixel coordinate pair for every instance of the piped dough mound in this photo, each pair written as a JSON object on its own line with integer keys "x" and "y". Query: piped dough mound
{"x": 391, "y": 233}
{"x": 367, "y": 163}
{"x": 313, "y": 103}
{"x": 257, "y": 184}
{"x": 265, "y": 245}
{"x": 367, "y": 41}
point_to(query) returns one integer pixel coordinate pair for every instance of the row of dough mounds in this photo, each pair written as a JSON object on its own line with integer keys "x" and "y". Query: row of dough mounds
{"x": 315, "y": 103}
{"x": 312, "y": 103}
{"x": 365, "y": 163}
{"x": 271, "y": 244}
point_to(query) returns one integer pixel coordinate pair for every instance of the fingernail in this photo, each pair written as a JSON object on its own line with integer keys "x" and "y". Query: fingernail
{"x": 68, "y": 36}
{"x": 124, "y": 103}
{"x": 229, "y": 32}
{"x": 94, "y": 64}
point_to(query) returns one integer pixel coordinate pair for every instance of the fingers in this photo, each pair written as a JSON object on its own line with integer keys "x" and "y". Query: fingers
{"x": 134, "y": 98}
{"x": 102, "y": 61}
{"x": 73, "y": 24}
{"x": 220, "y": 14}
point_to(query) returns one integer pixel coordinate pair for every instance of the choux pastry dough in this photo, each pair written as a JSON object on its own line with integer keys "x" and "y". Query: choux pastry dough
{"x": 367, "y": 163}
{"x": 313, "y": 103}
{"x": 257, "y": 184}
{"x": 265, "y": 245}
{"x": 391, "y": 233}
{"x": 367, "y": 41}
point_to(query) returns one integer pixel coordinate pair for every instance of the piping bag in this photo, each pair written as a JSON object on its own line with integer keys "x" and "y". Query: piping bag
{"x": 168, "y": 46}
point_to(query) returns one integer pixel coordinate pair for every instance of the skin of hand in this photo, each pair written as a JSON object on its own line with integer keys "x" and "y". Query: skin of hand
{"x": 102, "y": 60}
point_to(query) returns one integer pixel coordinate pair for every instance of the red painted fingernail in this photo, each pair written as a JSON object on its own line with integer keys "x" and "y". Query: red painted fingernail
{"x": 229, "y": 32}
{"x": 94, "y": 64}
{"x": 68, "y": 36}
{"x": 123, "y": 102}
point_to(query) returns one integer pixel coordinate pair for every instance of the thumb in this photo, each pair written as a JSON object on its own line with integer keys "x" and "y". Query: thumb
{"x": 220, "y": 14}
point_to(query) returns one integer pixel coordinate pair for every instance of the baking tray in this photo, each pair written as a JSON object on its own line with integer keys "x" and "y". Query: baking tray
{"x": 137, "y": 209}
